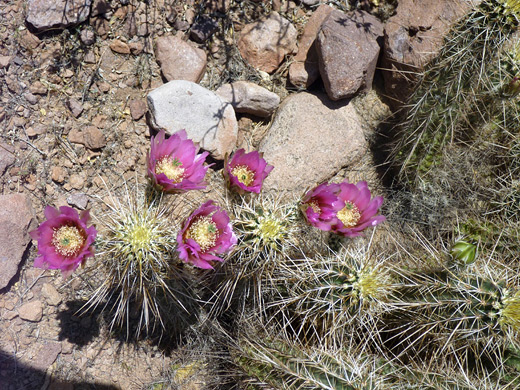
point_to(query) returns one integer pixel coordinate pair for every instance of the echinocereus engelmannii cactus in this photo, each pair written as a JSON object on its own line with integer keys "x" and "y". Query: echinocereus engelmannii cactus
{"x": 246, "y": 172}
{"x": 330, "y": 298}
{"x": 267, "y": 230}
{"x": 138, "y": 263}
{"x": 64, "y": 239}
{"x": 464, "y": 316}
{"x": 453, "y": 85}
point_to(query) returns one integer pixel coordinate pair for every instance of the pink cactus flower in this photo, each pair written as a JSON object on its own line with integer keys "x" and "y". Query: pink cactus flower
{"x": 64, "y": 240}
{"x": 320, "y": 206}
{"x": 246, "y": 172}
{"x": 357, "y": 211}
{"x": 205, "y": 233}
{"x": 174, "y": 165}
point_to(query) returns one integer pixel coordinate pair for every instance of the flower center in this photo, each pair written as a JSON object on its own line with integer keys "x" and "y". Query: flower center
{"x": 269, "y": 228}
{"x": 349, "y": 215}
{"x": 139, "y": 237}
{"x": 243, "y": 174}
{"x": 204, "y": 231}
{"x": 313, "y": 204}
{"x": 68, "y": 240}
{"x": 171, "y": 167}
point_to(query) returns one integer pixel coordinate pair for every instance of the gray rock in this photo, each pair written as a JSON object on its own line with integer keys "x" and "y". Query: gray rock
{"x": 310, "y": 2}
{"x": 16, "y": 220}
{"x": 310, "y": 139}
{"x": 87, "y": 37}
{"x": 78, "y": 200}
{"x": 249, "y": 98}
{"x": 207, "y": 120}
{"x": 304, "y": 70}
{"x": 413, "y": 36}
{"x": 51, "y": 14}
{"x": 264, "y": 44}
{"x": 348, "y": 51}
{"x": 180, "y": 60}
{"x": 31, "y": 311}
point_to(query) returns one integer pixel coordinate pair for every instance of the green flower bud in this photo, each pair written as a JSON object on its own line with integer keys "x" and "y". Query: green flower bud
{"x": 464, "y": 252}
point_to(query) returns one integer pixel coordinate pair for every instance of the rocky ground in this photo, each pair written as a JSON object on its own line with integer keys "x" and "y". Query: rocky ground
{"x": 83, "y": 89}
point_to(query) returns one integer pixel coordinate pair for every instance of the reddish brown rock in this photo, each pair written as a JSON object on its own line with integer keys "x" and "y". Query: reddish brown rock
{"x": 75, "y": 107}
{"x": 264, "y": 44}
{"x": 4, "y": 61}
{"x": 348, "y": 51}
{"x": 51, "y": 295}
{"x": 31, "y": 311}
{"x": 50, "y": 14}
{"x": 38, "y": 88}
{"x": 58, "y": 174}
{"x": 305, "y": 69}
{"x": 137, "y": 109}
{"x": 413, "y": 36}
{"x": 120, "y": 47}
{"x": 180, "y": 60}
{"x": 16, "y": 221}
{"x": 94, "y": 138}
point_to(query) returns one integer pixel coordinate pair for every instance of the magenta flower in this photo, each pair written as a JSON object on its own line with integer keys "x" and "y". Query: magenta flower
{"x": 320, "y": 206}
{"x": 357, "y": 211}
{"x": 174, "y": 165}
{"x": 64, "y": 240}
{"x": 246, "y": 171}
{"x": 205, "y": 233}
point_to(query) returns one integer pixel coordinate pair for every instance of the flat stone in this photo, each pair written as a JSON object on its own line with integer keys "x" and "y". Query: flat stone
{"x": 51, "y": 14}
{"x": 265, "y": 43}
{"x": 249, "y": 98}
{"x": 119, "y": 46}
{"x": 78, "y": 200}
{"x": 180, "y": 60}
{"x": 75, "y": 107}
{"x": 348, "y": 51}
{"x": 51, "y": 295}
{"x": 305, "y": 70}
{"x": 311, "y": 138}
{"x": 46, "y": 355}
{"x": 32, "y": 99}
{"x": 413, "y": 37}
{"x": 207, "y": 120}
{"x": 31, "y": 311}
{"x": 35, "y": 130}
{"x": 137, "y": 108}
{"x": 16, "y": 220}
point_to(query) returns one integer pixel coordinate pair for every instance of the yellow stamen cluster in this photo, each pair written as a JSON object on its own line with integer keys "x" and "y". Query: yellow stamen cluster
{"x": 172, "y": 168}
{"x": 68, "y": 240}
{"x": 243, "y": 174}
{"x": 510, "y": 314}
{"x": 313, "y": 204}
{"x": 204, "y": 231}
{"x": 349, "y": 215}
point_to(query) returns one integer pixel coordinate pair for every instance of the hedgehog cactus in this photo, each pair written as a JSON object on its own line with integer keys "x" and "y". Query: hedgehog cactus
{"x": 472, "y": 318}
{"x": 453, "y": 85}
